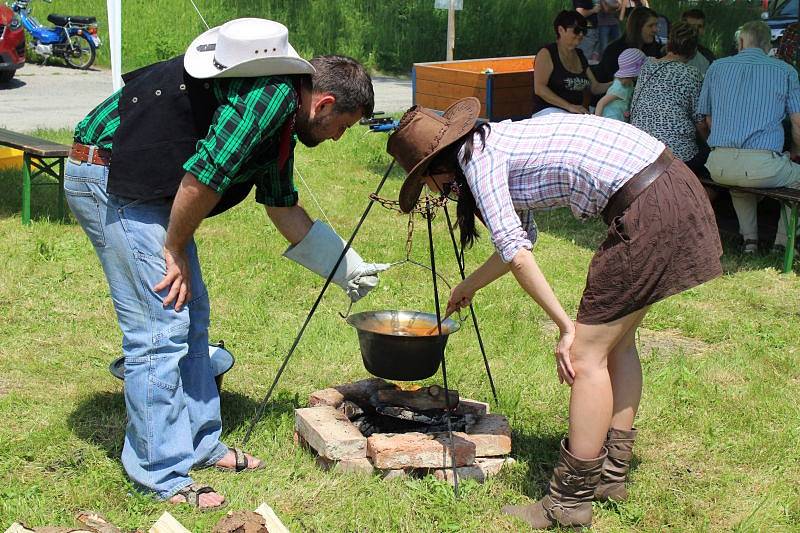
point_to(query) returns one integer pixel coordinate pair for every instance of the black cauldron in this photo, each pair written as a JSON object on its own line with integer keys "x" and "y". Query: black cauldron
{"x": 401, "y": 345}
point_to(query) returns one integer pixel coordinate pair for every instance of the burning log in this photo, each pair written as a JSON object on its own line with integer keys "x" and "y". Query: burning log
{"x": 424, "y": 399}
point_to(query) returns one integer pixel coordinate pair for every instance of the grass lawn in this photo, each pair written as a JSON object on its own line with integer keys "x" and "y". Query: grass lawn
{"x": 719, "y": 423}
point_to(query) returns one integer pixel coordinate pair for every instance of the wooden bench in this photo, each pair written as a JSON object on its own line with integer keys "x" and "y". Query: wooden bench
{"x": 787, "y": 197}
{"x": 40, "y": 159}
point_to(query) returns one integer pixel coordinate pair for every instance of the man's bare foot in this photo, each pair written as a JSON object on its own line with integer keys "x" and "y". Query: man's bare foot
{"x": 200, "y": 496}
{"x": 236, "y": 460}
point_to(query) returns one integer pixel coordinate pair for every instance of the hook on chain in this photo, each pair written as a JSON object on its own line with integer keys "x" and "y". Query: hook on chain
{"x": 421, "y": 209}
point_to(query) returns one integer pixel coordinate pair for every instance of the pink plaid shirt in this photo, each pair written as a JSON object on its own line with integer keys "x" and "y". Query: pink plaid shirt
{"x": 554, "y": 161}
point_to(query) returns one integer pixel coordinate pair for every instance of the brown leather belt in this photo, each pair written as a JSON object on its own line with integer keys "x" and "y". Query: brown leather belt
{"x": 90, "y": 154}
{"x": 635, "y": 186}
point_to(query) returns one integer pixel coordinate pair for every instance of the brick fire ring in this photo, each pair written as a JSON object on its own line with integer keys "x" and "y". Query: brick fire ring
{"x": 324, "y": 429}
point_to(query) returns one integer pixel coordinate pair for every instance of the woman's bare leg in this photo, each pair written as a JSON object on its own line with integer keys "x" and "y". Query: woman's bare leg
{"x": 592, "y": 402}
{"x": 625, "y": 371}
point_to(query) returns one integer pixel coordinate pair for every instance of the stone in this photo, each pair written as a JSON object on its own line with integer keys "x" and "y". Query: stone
{"x": 480, "y": 471}
{"x": 330, "y": 433}
{"x": 350, "y": 466}
{"x": 418, "y": 450}
{"x": 473, "y": 407}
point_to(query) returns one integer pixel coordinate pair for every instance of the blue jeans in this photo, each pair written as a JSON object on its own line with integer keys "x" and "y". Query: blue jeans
{"x": 171, "y": 398}
{"x": 589, "y": 43}
{"x": 605, "y": 35}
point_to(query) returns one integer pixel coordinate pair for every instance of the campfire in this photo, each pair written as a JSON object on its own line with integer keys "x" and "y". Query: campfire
{"x": 374, "y": 426}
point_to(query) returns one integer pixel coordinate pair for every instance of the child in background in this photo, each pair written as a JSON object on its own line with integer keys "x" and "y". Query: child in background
{"x": 616, "y": 103}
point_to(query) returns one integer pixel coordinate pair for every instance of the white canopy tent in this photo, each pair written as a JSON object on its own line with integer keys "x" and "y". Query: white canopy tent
{"x": 115, "y": 40}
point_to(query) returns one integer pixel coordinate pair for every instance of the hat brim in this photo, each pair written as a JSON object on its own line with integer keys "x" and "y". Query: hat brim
{"x": 462, "y": 116}
{"x": 200, "y": 64}
{"x": 626, "y": 74}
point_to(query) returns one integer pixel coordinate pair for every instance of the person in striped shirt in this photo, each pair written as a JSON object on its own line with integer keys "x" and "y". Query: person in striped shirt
{"x": 183, "y": 140}
{"x": 662, "y": 239}
{"x": 744, "y": 100}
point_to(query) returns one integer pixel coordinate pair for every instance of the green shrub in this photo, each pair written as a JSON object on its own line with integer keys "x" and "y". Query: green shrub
{"x": 387, "y": 35}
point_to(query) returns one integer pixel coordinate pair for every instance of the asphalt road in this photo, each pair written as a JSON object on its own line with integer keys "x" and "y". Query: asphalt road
{"x": 56, "y": 97}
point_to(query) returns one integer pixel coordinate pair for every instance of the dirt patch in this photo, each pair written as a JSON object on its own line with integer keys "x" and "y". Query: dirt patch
{"x": 667, "y": 342}
{"x": 241, "y": 522}
{"x": 5, "y": 388}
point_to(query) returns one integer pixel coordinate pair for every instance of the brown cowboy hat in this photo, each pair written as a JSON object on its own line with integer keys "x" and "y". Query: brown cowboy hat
{"x": 423, "y": 133}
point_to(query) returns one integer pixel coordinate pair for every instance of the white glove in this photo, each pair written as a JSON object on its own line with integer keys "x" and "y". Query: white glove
{"x": 318, "y": 252}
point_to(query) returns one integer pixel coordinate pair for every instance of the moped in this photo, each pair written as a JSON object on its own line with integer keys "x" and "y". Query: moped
{"x": 72, "y": 38}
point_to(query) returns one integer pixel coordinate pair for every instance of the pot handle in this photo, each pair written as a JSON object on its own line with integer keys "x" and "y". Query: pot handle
{"x": 398, "y": 263}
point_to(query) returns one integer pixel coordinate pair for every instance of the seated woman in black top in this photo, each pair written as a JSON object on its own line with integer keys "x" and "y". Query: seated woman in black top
{"x": 561, "y": 77}
{"x": 641, "y": 29}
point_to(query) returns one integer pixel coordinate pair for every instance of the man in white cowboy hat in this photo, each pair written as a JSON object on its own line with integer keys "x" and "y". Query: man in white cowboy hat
{"x": 185, "y": 139}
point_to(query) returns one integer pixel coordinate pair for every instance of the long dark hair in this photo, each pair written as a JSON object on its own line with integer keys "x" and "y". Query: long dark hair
{"x": 636, "y": 22}
{"x": 447, "y": 160}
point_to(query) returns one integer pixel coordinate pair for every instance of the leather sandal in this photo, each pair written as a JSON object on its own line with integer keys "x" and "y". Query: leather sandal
{"x": 192, "y": 494}
{"x": 242, "y": 463}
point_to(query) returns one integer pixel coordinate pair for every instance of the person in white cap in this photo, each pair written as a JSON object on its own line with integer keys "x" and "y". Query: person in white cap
{"x": 183, "y": 140}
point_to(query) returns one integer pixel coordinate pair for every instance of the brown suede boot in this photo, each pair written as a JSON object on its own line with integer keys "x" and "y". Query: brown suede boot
{"x": 569, "y": 502}
{"x": 615, "y": 468}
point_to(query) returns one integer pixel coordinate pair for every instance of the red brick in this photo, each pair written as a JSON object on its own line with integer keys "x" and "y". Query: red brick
{"x": 491, "y": 435}
{"x": 331, "y": 397}
{"x": 352, "y": 466}
{"x": 418, "y": 450}
{"x": 473, "y": 407}
{"x": 330, "y": 433}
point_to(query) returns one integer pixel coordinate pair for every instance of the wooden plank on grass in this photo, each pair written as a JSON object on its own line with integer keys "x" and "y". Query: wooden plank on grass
{"x": 167, "y": 524}
{"x": 273, "y": 523}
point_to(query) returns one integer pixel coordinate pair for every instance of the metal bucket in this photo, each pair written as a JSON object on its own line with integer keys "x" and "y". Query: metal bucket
{"x": 399, "y": 345}
{"x": 221, "y": 361}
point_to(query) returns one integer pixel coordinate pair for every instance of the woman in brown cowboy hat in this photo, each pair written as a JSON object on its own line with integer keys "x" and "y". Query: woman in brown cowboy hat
{"x": 662, "y": 239}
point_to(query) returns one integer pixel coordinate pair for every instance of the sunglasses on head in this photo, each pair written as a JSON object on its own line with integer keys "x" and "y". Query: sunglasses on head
{"x": 579, "y": 30}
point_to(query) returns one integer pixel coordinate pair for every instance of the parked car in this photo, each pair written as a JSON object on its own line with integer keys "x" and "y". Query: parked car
{"x": 780, "y": 14}
{"x": 12, "y": 43}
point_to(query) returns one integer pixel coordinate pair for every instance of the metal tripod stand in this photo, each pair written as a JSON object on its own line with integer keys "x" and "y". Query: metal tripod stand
{"x": 428, "y": 215}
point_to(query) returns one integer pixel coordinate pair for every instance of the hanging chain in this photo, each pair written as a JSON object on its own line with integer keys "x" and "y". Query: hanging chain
{"x": 410, "y": 237}
{"x": 393, "y": 205}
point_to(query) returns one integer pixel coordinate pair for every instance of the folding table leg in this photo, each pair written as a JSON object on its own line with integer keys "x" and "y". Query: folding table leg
{"x": 26, "y": 188}
{"x": 791, "y": 231}
{"x": 61, "y": 188}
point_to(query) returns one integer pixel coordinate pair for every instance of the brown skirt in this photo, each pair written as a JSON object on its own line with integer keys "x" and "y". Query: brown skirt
{"x": 665, "y": 242}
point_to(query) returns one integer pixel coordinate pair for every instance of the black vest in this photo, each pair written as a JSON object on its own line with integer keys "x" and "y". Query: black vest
{"x": 163, "y": 113}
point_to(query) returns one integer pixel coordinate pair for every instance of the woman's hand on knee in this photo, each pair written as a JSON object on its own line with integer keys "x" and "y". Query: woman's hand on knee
{"x": 563, "y": 360}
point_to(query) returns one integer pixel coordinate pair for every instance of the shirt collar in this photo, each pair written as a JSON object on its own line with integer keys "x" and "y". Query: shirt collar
{"x": 753, "y": 51}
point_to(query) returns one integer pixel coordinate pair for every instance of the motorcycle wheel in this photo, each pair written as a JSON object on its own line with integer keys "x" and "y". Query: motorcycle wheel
{"x": 79, "y": 53}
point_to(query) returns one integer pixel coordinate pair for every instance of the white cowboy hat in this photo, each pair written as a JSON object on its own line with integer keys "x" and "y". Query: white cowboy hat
{"x": 244, "y": 48}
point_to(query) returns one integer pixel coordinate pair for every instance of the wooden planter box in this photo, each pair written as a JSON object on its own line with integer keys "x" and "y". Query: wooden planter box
{"x": 506, "y": 92}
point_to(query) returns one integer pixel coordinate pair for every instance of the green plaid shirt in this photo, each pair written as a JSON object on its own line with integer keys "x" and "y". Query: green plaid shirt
{"x": 242, "y": 142}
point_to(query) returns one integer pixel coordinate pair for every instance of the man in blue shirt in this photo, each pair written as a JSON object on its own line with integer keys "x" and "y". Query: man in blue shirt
{"x": 745, "y": 99}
